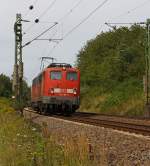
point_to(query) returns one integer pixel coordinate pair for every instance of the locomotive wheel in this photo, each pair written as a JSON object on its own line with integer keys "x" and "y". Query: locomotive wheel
{"x": 40, "y": 109}
{"x": 68, "y": 110}
{"x": 44, "y": 111}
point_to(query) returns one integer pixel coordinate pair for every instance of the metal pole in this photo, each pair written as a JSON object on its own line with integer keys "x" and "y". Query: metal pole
{"x": 148, "y": 61}
{"x": 148, "y": 69}
{"x": 18, "y": 67}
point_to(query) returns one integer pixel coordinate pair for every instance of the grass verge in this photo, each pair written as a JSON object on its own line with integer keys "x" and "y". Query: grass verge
{"x": 126, "y": 99}
{"x": 21, "y": 143}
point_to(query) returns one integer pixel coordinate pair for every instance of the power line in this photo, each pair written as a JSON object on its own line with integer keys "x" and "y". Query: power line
{"x": 100, "y": 28}
{"x": 125, "y": 13}
{"x": 129, "y": 11}
{"x": 66, "y": 15}
{"x": 85, "y": 19}
{"x": 71, "y": 10}
{"x": 45, "y": 49}
{"x": 125, "y": 23}
{"x": 62, "y": 18}
{"x": 48, "y": 8}
{"x": 133, "y": 9}
{"x": 37, "y": 20}
{"x": 39, "y": 35}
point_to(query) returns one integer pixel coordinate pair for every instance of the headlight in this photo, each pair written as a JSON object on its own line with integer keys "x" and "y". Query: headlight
{"x": 51, "y": 90}
{"x": 74, "y": 91}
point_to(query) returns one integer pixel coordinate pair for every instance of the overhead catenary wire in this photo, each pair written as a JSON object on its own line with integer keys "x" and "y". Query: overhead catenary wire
{"x": 123, "y": 14}
{"x": 132, "y": 9}
{"x": 67, "y": 14}
{"x": 40, "y": 35}
{"x": 60, "y": 20}
{"x": 71, "y": 10}
{"x": 45, "y": 49}
{"x": 82, "y": 21}
{"x": 127, "y": 12}
{"x": 125, "y": 23}
{"x": 74, "y": 28}
{"x": 47, "y": 9}
{"x": 86, "y": 18}
{"x": 42, "y": 15}
{"x": 137, "y": 7}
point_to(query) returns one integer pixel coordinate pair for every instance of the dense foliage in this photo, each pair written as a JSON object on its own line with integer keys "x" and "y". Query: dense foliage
{"x": 113, "y": 63}
{"x": 113, "y": 57}
{"x": 6, "y": 88}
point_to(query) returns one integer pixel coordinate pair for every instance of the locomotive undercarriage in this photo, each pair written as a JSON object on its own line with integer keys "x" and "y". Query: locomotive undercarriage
{"x": 64, "y": 105}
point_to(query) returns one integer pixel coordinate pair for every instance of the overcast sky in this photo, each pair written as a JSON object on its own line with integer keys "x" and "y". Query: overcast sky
{"x": 66, "y": 51}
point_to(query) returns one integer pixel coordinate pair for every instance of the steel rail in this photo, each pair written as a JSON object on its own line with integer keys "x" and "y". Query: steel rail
{"x": 117, "y": 123}
{"x": 123, "y": 126}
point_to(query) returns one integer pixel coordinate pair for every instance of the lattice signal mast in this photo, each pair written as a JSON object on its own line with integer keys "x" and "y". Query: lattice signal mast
{"x": 148, "y": 64}
{"x": 18, "y": 66}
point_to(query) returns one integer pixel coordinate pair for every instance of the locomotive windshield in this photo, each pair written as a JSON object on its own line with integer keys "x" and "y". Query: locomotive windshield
{"x": 55, "y": 75}
{"x": 71, "y": 76}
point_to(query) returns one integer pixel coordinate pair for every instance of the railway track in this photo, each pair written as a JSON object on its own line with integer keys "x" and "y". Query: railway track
{"x": 138, "y": 126}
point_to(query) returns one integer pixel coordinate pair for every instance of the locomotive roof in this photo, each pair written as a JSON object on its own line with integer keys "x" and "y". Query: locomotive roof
{"x": 60, "y": 65}
{"x": 53, "y": 65}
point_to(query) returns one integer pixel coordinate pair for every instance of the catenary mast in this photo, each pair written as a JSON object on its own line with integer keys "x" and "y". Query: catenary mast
{"x": 18, "y": 66}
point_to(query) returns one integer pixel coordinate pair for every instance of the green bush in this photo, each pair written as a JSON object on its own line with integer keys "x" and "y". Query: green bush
{"x": 112, "y": 67}
{"x": 122, "y": 93}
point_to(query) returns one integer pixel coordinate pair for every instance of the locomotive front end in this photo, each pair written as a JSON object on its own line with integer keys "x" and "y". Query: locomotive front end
{"x": 57, "y": 89}
{"x": 62, "y": 88}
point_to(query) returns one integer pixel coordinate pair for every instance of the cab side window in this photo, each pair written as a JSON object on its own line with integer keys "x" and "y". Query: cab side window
{"x": 55, "y": 75}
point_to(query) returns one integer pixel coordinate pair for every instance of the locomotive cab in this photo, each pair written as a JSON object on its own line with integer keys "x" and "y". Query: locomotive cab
{"x": 59, "y": 88}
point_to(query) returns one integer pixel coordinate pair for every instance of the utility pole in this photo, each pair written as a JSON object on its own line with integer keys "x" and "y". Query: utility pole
{"x": 17, "y": 86}
{"x": 18, "y": 67}
{"x": 148, "y": 68}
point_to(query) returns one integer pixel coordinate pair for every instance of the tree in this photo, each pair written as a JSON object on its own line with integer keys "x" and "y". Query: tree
{"x": 5, "y": 86}
{"x": 113, "y": 57}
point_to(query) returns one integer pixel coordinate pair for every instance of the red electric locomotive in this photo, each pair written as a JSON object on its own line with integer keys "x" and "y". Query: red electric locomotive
{"x": 56, "y": 88}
